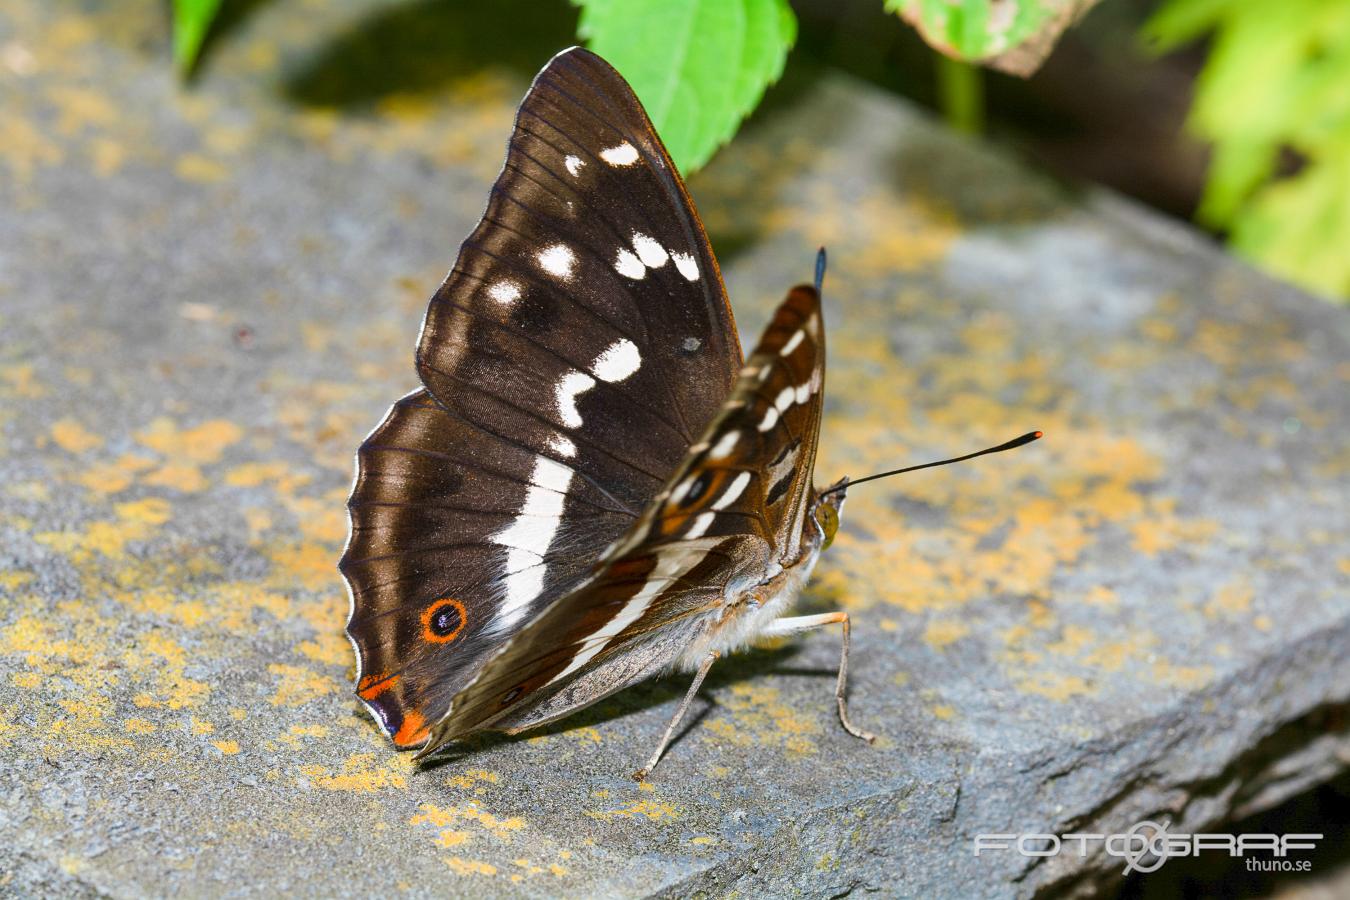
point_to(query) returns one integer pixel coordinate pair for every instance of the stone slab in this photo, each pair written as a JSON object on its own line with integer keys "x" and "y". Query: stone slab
{"x": 208, "y": 296}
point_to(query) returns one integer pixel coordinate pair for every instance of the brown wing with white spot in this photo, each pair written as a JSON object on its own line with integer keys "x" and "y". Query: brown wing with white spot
{"x": 580, "y": 344}
{"x": 733, "y": 511}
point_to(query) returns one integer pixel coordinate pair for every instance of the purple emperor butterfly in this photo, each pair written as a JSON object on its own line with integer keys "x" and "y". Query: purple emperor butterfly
{"x": 591, "y": 486}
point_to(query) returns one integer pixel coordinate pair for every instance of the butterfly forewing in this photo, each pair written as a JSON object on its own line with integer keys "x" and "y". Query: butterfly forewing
{"x": 586, "y": 309}
{"x": 729, "y": 518}
{"x": 581, "y": 341}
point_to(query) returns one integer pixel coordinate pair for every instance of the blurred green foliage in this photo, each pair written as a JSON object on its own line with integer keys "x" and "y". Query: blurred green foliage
{"x": 702, "y": 66}
{"x": 1273, "y": 99}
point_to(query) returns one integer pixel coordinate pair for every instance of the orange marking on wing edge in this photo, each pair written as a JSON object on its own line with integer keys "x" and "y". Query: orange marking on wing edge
{"x": 412, "y": 731}
{"x": 429, "y": 634}
{"x": 373, "y": 686}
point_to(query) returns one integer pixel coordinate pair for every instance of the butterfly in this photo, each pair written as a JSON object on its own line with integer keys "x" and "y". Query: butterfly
{"x": 592, "y": 485}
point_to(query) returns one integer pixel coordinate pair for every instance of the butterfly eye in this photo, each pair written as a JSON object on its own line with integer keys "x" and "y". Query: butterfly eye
{"x": 443, "y": 620}
{"x": 827, "y": 517}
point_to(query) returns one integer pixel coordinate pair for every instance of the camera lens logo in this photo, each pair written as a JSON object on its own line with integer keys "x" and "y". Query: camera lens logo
{"x": 1143, "y": 852}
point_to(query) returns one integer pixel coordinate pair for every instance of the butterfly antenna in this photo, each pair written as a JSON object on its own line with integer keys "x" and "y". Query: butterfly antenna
{"x": 1010, "y": 445}
{"x": 820, "y": 268}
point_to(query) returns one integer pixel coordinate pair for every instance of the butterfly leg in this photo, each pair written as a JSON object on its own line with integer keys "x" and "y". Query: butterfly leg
{"x": 798, "y": 624}
{"x": 642, "y": 773}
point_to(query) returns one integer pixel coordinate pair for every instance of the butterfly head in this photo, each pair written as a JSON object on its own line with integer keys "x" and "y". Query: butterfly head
{"x": 826, "y": 509}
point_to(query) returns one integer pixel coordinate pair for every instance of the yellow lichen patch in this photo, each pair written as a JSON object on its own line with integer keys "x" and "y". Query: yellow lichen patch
{"x": 1100, "y": 595}
{"x": 114, "y": 477}
{"x": 51, "y": 647}
{"x": 336, "y": 652}
{"x": 450, "y": 822}
{"x": 85, "y": 724}
{"x": 23, "y": 148}
{"x": 9, "y": 729}
{"x": 79, "y": 108}
{"x": 305, "y": 564}
{"x": 179, "y": 477}
{"x": 229, "y": 748}
{"x": 327, "y": 617}
{"x": 234, "y": 602}
{"x": 161, "y": 602}
{"x": 258, "y": 521}
{"x": 1163, "y": 531}
{"x": 13, "y": 579}
{"x": 73, "y": 437}
{"x": 362, "y": 774}
{"x": 35, "y": 491}
{"x": 164, "y": 660}
{"x": 758, "y": 716}
{"x": 1231, "y": 599}
{"x": 138, "y": 726}
{"x": 472, "y": 778}
{"x": 1072, "y": 641}
{"x": 470, "y": 867}
{"x": 280, "y": 474}
{"x": 451, "y": 838}
{"x": 1055, "y": 685}
{"x": 147, "y": 512}
{"x": 297, "y": 686}
{"x": 584, "y": 734}
{"x": 943, "y": 711}
{"x": 201, "y": 444}
{"x": 201, "y": 169}
{"x": 1187, "y": 678}
{"x": 107, "y": 156}
{"x": 943, "y": 632}
{"x": 1113, "y": 655}
{"x": 136, "y": 520}
{"x": 656, "y": 810}
{"x": 27, "y": 680}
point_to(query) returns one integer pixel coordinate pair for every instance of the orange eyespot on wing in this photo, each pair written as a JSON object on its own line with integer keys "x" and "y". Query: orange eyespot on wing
{"x": 443, "y": 620}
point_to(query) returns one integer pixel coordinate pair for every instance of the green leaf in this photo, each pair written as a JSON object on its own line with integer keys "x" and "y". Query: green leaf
{"x": 1272, "y": 102}
{"x": 699, "y": 66}
{"x": 1014, "y": 36}
{"x": 1182, "y": 21}
{"x": 191, "y": 21}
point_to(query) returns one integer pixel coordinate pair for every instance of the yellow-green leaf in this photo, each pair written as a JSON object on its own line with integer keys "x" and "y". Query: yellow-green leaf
{"x": 191, "y": 21}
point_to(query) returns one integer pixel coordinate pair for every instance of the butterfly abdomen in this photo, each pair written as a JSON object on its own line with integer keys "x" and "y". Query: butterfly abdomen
{"x": 747, "y": 614}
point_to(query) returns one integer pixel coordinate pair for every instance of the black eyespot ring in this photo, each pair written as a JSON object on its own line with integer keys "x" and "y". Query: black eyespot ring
{"x": 443, "y": 620}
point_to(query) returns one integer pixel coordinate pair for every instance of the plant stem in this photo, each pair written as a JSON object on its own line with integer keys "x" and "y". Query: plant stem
{"x": 961, "y": 94}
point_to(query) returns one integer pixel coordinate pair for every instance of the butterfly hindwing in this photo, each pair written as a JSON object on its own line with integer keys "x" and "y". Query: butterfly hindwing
{"x": 433, "y": 510}
{"x": 581, "y": 341}
{"x": 729, "y": 518}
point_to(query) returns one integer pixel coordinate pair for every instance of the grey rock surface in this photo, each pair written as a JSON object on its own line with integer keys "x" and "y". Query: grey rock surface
{"x": 208, "y": 297}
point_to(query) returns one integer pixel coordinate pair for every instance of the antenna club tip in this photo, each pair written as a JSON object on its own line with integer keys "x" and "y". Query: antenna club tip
{"x": 1039, "y": 434}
